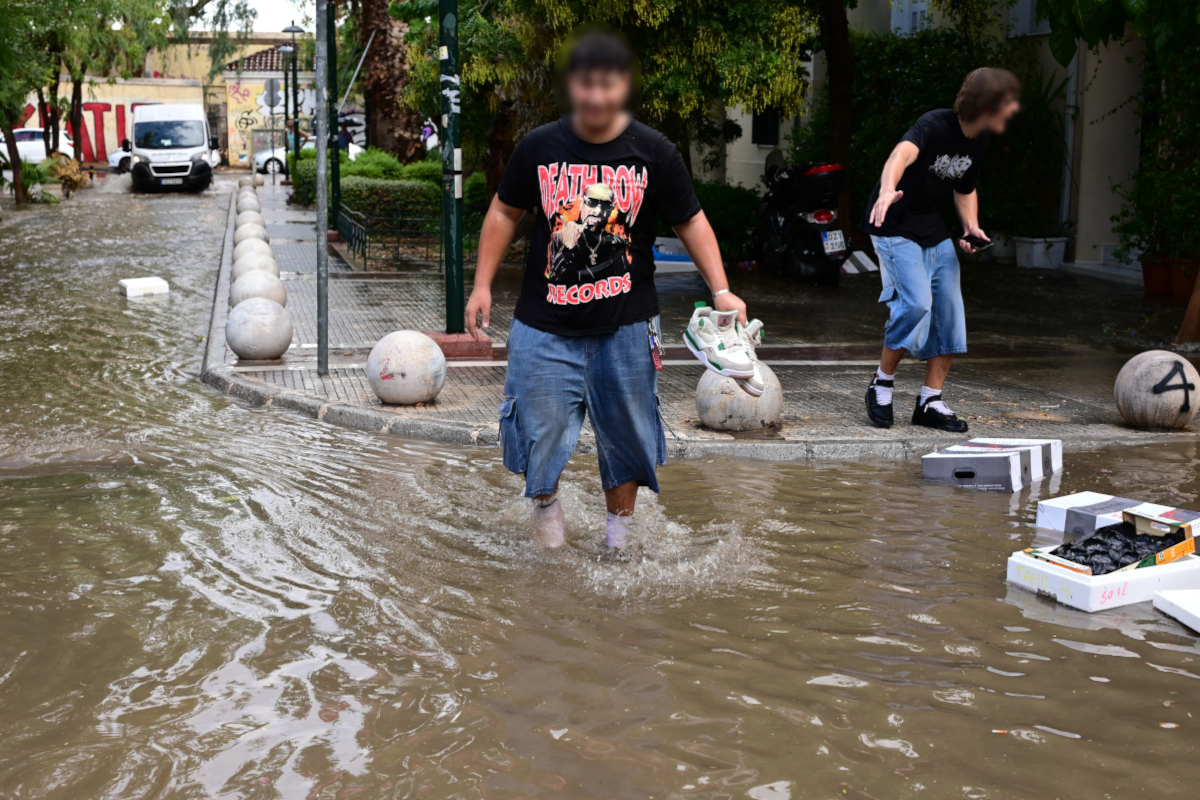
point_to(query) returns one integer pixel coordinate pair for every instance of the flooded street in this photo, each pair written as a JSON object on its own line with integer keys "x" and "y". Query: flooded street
{"x": 204, "y": 600}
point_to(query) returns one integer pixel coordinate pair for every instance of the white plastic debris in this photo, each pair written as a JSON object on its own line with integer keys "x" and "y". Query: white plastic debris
{"x": 139, "y": 287}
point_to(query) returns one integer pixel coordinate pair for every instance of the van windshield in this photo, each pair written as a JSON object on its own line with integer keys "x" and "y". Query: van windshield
{"x": 164, "y": 134}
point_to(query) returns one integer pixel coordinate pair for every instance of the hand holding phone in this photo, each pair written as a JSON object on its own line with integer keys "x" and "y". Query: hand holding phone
{"x": 979, "y": 244}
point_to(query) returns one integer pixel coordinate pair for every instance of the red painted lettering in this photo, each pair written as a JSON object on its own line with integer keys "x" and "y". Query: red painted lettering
{"x": 98, "y": 109}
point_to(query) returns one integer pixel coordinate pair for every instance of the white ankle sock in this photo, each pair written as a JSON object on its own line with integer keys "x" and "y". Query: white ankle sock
{"x": 937, "y": 405}
{"x": 883, "y": 394}
{"x": 618, "y": 532}
{"x": 549, "y": 522}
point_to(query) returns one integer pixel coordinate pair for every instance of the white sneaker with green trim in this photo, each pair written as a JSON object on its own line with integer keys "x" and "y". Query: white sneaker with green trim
{"x": 713, "y": 337}
{"x": 751, "y": 337}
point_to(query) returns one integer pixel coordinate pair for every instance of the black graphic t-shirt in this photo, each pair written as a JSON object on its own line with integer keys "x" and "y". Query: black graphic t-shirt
{"x": 590, "y": 267}
{"x": 948, "y": 161}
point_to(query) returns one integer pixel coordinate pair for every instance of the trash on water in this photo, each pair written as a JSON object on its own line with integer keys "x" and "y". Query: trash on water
{"x": 139, "y": 287}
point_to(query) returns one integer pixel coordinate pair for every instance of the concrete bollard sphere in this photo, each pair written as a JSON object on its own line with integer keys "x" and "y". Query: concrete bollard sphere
{"x": 251, "y": 246}
{"x": 252, "y": 262}
{"x": 1157, "y": 389}
{"x": 248, "y": 194}
{"x": 244, "y": 217}
{"x": 257, "y": 283}
{"x": 259, "y": 179}
{"x": 725, "y": 406}
{"x": 245, "y": 182}
{"x": 406, "y": 368}
{"x": 251, "y": 230}
{"x": 259, "y": 329}
{"x": 249, "y": 204}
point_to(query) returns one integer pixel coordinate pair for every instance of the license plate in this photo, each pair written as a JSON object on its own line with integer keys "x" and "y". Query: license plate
{"x": 179, "y": 182}
{"x": 834, "y": 241}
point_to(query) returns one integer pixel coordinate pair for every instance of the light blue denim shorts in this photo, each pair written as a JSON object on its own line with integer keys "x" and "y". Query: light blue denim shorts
{"x": 921, "y": 287}
{"x": 552, "y": 381}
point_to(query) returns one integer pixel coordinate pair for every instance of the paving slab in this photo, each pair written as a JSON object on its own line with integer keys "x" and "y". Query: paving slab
{"x": 1043, "y": 385}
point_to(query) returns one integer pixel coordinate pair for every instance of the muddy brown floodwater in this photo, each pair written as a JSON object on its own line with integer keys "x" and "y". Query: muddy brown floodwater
{"x": 203, "y": 600}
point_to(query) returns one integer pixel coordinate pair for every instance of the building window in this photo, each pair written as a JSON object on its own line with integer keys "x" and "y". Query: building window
{"x": 1023, "y": 21}
{"x": 764, "y": 128}
{"x": 910, "y": 16}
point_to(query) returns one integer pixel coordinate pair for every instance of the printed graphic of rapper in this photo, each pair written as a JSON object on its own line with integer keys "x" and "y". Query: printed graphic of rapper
{"x": 587, "y": 247}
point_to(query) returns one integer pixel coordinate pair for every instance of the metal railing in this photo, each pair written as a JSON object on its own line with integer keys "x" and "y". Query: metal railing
{"x": 389, "y": 236}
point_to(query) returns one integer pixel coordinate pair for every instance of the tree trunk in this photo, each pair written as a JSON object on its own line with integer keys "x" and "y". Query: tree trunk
{"x": 839, "y": 60}
{"x": 385, "y": 72}
{"x": 500, "y": 149}
{"x": 53, "y": 121}
{"x": 44, "y": 118}
{"x": 77, "y": 116}
{"x": 14, "y": 158}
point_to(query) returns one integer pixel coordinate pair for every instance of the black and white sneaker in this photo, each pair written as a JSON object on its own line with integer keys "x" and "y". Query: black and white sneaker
{"x": 933, "y": 413}
{"x": 880, "y": 414}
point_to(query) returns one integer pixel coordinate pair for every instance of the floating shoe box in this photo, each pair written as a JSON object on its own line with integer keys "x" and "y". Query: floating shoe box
{"x": 1154, "y": 525}
{"x": 1082, "y": 513}
{"x": 995, "y": 465}
{"x": 1182, "y": 604}
{"x": 140, "y": 287}
{"x": 1091, "y": 593}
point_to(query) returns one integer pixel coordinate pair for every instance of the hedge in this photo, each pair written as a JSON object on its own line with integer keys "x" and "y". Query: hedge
{"x": 362, "y": 193}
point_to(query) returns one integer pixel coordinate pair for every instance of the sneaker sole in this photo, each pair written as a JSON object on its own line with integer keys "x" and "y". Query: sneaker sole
{"x": 714, "y": 366}
{"x": 747, "y": 388}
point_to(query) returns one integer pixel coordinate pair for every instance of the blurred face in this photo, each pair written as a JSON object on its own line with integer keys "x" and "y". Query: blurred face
{"x": 997, "y": 121}
{"x": 598, "y": 96}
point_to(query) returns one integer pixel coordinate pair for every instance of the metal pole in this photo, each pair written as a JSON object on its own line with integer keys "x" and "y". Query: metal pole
{"x": 295, "y": 100}
{"x": 354, "y": 77}
{"x": 335, "y": 205}
{"x": 321, "y": 118}
{"x": 286, "y": 174}
{"x": 452, "y": 182}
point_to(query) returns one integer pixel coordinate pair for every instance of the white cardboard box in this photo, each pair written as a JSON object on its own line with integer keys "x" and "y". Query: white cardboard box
{"x": 988, "y": 469}
{"x": 1182, "y": 604}
{"x": 1050, "y": 449}
{"x": 1084, "y": 512}
{"x": 1113, "y": 590}
{"x": 138, "y": 287}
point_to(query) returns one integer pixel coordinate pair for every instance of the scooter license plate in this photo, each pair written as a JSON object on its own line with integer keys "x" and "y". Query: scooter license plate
{"x": 834, "y": 241}
{"x": 179, "y": 182}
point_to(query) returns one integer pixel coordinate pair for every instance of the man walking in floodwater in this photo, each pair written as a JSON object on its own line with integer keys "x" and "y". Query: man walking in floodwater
{"x": 941, "y": 154}
{"x": 584, "y": 337}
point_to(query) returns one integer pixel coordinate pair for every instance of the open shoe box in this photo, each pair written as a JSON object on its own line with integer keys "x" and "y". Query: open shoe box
{"x": 1150, "y": 524}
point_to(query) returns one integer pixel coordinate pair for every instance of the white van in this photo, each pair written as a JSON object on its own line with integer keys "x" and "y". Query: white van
{"x": 172, "y": 148}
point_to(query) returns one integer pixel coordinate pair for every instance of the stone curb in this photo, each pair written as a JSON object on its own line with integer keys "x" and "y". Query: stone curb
{"x": 258, "y": 393}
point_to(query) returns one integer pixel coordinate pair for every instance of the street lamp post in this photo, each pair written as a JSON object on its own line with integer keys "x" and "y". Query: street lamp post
{"x": 452, "y": 180}
{"x": 335, "y": 167}
{"x": 293, "y": 29}
{"x": 321, "y": 123}
{"x": 285, "y": 50}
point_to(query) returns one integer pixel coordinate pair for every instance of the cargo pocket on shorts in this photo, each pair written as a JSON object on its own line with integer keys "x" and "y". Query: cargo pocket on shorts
{"x": 511, "y": 440}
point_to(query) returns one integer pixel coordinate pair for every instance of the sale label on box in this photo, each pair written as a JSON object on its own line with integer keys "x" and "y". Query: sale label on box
{"x": 1096, "y": 593}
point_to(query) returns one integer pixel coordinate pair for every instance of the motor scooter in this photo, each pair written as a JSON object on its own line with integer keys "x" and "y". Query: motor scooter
{"x": 797, "y": 234}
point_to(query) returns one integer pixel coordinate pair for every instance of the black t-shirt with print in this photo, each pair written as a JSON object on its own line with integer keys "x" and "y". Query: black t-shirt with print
{"x": 590, "y": 267}
{"x": 948, "y": 161}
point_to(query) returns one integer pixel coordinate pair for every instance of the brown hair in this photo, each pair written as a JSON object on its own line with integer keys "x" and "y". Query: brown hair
{"x": 984, "y": 91}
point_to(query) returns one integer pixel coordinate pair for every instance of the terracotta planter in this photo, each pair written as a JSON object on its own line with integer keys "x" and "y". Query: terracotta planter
{"x": 1183, "y": 277}
{"x": 1156, "y": 276}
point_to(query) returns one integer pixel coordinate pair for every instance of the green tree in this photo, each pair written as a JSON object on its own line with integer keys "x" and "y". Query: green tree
{"x": 24, "y": 66}
{"x": 1167, "y": 25}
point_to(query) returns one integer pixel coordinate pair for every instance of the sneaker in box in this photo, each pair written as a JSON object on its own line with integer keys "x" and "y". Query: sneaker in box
{"x": 1139, "y": 541}
{"x": 1050, "y": 451}
{"x": 992, "y": 469}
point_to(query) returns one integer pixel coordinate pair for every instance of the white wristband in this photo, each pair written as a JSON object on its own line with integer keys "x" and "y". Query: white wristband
{"x": 721, "y": 292}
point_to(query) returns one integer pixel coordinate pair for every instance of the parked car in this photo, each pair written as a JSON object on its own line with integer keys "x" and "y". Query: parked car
{"x": 119, "y": 161}
{"x": 172, "y": 148}
{"x": 271, "y": 161}
{"x": 31, "y": 145}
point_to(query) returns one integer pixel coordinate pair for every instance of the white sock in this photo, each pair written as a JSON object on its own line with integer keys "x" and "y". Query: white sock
{"x": 937, "y": 405}
{"x": 618, "y": 532}
{"x": 549, "y": 522}
{"x": 883, "y": 394}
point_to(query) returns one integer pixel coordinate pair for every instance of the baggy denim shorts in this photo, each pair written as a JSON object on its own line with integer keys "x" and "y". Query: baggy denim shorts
{"x": 921, "y": 287}
{"x": 552, "y": 381}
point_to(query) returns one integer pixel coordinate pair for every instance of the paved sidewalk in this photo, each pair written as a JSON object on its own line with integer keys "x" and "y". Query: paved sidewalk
{"x": 822, "y": 345}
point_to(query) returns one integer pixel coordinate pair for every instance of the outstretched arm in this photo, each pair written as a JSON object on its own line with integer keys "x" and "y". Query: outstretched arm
{"x": 701, "y": 243}
{"x": 902, "y": 157}
{"x": 499, "y": 227}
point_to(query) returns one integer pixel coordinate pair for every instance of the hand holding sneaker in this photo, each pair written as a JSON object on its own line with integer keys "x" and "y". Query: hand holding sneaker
{"x": 751, "y": 336}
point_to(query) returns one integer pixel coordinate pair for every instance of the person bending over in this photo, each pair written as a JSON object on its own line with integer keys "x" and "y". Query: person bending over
{"x": 586, "y": 322}
{"x": 940, "y": 155}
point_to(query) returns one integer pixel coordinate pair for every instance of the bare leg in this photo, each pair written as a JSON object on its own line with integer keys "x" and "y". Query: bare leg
{"x": 621, "y": 499}
{"x": 936, "y": 370}
{"x": 890, "y": 360}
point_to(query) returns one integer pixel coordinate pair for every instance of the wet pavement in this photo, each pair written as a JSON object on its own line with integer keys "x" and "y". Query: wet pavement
{"x": 1045, "y": 350}
{"x": 205, "y": 599}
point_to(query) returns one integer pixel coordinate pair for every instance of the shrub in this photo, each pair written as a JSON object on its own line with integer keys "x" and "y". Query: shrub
{"x": 423, "y": 171}
{"x": 374, "y": 163}
{"x": 363, "y": 193}
{"x": 733, "y": 212}
{"x": 304, "y": 182}
{"x": 475, "y": 191}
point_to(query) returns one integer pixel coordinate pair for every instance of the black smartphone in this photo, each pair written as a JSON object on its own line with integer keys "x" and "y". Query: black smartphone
{"x": 979, "y": 244}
